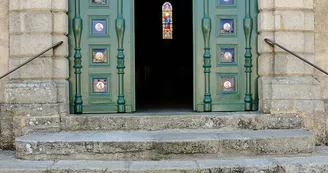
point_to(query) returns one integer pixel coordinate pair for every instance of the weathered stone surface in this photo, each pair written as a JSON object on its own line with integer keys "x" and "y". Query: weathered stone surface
{"x": 6, "y": 131}
{"x": 294, "y": 41}
{"x": 285, "y": 95}
{"x": 31, "y": 110}
{"x": 263, "y": 47}
{"x": 292, "y": 164}
{"x": 23, "y": 125}
{"x": 36, "y": 69}
{"x": 286, "y": 64}
{"x": 290, "y": 20}
{"x": 162, "y": 121}
{"x": 60, "y": 69}
{"x": 266, "y": 65}
{"x": 293, "y": 4}
{"x": 27, "y": 92}
{"x": 32, "y": 5}
{"x": 142, "y": 144}
{"x": 30, "y": 44}
{"x": 60, "y": 5}
{"x": 5, "y": 137}
{"x": 62, "y": 50}
{"x": 283, "y": 87}
{"x": 33, "y": 22}
{"x": 319, "y": 123}
{"x": 266, "y": 21}
{"x": 60, "y": 23}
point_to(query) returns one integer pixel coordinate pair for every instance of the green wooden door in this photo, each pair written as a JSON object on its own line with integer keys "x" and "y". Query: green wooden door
{"x": 225, "y": 55}
{"x": 103, "y": 82}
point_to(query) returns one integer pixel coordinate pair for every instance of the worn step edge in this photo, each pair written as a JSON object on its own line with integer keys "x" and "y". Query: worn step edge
{"x": 314, "y": 163}
{"x": 184, "y": 120}
{"x": 147, "y": 145}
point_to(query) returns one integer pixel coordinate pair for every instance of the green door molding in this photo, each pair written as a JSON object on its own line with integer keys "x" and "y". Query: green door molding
{"x": 77, "y": 32}
{"x": 103, "y": 74}
{"x": 225, "y": 55}
{"x": 206, "y": 29}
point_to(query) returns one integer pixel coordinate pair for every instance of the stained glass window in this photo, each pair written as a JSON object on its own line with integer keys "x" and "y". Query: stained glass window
{"x": 167, "y": 21}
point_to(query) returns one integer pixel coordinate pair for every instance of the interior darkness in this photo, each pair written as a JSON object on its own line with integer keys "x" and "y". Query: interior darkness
{"x": 164, "y": 68}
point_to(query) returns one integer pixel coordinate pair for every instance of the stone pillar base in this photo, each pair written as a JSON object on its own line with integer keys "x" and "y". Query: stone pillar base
{"x": 290, "y": 95}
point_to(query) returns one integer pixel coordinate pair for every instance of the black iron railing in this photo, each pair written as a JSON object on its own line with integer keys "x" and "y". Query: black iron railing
{"x": 272, "y": 43}
{"x": 38, "y": 55}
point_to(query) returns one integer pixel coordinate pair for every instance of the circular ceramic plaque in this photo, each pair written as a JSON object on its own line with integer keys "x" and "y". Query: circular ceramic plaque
{"x": 99, "y": 56}
{"x": 100, "y": 85}
{"x": 99, "y": 27}
{"x": 227, "y": 56}
{"x": 227, "y": 26}
{"x": 227, "y": 85}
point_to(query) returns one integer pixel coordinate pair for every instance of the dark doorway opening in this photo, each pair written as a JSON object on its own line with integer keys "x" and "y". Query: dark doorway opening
{"x": 164, "y": 68}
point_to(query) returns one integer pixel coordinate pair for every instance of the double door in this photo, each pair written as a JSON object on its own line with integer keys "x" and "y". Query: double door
{"x": 114, "y": 62}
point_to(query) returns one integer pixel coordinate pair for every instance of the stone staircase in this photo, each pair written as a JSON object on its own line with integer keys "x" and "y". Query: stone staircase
{"x": 171, "y": 142}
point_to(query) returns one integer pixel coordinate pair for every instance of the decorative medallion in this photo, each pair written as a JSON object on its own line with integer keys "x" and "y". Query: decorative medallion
{"x": 228, "y": 84}
{"x": 99, "y": 55}
{"x": 98, "y": 2}
{"x": 99, "y": 26}
{"x": 227, "y": 2}
{"x": 99, "y": 85}
{"x": 227, "y": 26}
{"x": 227, "y": 55}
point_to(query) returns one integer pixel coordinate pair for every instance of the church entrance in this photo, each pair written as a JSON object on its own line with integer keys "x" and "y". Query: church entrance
{"x": 164, "y": 55}
{"x": 156, "y": 55}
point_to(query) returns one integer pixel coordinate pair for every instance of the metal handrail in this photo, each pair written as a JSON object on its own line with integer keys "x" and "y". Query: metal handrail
{"x": 46, "y": 50}
{"x": 272, "y": 43}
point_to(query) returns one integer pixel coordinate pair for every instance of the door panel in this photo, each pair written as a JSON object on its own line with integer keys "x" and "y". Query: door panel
{"x": 227, "y": 44}
{"x": 99, "y": 49}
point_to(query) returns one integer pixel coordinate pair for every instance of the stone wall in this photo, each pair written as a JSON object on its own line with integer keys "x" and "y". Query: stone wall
{"x": 287, "y": 85}
{"x": 5, "y": 122}
{"x": 36, "y": 94}
{"x": 321, "y": 52}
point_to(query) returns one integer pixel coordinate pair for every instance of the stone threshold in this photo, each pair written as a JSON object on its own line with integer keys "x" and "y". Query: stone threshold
{"x": 174, "y": 113}
{"x": 317, "y": 162}
{"x": 180, "y": 120}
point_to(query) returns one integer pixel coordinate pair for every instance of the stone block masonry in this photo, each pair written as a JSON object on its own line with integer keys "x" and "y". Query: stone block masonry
{"x": 287, "y": 84}
{"x": 285, "y": 81}
{"x": 5, "y": 121}
{"x": 321, "y": 49}
{"x": 36, "y": 94}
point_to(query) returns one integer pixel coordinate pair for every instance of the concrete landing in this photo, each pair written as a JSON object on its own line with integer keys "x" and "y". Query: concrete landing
{"x": 147, "y": 145}
{"x": 316, "y": 162}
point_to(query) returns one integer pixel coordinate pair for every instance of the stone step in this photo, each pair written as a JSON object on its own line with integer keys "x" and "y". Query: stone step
{"x": 181, "y": 120}
{"x": 316, "y": 162}
{"x": 155, "y": 145}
